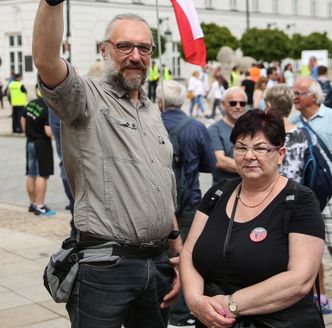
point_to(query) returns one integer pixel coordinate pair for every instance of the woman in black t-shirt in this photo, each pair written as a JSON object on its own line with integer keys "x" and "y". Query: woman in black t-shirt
{"x": 243, "y": 267}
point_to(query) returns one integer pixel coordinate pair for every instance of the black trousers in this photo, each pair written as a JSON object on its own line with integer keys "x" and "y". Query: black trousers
{"x": 16, "y": 116}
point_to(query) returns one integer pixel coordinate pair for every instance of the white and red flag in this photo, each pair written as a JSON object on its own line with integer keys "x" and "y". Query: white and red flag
{"x": 190, "y": 31}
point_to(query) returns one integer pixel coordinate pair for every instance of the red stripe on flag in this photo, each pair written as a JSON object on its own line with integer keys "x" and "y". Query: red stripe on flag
{"x": 194, "y": 50}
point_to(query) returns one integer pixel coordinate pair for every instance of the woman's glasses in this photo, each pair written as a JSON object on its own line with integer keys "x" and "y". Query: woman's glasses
{"x": 256, "y": 150}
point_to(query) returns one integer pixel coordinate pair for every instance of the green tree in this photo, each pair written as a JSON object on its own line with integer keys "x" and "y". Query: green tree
{"x": 297, "y": 43}
{"x": 313, "y": 41}
{"x": 155, "y": 40}
{"x": 319, "y": 41}
{"x": 265, "y": 44}
{"x": 215, "y": 37}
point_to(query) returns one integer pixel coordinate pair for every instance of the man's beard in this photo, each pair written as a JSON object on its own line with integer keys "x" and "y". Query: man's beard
{"x": 114, "y": 75}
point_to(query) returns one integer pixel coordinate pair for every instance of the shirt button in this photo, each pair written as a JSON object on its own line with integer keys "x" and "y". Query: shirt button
{"x": 145, "y": 133}
{"x": 158, "y": 188}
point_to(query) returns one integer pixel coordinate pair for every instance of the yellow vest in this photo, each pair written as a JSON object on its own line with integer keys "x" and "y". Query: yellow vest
{"x": 304, "y": 70}
{"x": 167, "y": 74}
{"x": 234, "y": 81}
{"x": 153, "y": 73}
{"x": 17, "y": 97}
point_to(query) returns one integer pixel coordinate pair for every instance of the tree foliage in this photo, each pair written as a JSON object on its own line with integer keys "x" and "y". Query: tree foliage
{"x": 155, "y": 40}
{"x": 262, "y": 44}
{"x": 216, "y": 37}
{"x": 265, "y": 44}
{"x": 297, "y": 43}
{"x": 313, "y": 41}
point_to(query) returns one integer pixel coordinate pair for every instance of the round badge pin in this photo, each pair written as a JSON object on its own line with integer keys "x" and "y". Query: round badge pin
{"x": 258, "y": 234}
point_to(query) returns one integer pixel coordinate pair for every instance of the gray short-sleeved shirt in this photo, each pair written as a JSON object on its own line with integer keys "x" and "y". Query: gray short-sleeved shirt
{"x": 220, "y": 133}
{"x": 118, "y": 159}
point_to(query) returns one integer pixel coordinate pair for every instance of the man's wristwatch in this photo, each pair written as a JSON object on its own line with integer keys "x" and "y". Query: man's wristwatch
{"x": 232, "y": 306}
{"x": 54, "y": 2}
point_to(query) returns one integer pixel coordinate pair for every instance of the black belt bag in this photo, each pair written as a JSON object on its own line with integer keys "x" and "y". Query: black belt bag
{"x": 61, "y": 270}
{"x": 128, "y": 250}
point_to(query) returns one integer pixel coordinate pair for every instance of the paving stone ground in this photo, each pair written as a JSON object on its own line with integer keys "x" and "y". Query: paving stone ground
{"x": 16, "y": 217}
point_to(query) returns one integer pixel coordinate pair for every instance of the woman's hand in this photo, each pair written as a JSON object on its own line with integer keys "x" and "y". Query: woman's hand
{"x": 211, "y": 313}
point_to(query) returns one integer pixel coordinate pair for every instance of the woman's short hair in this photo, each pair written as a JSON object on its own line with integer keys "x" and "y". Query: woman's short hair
{"x": 280, "y": 98}
{"x": 260, "y": 82}
{"x": 270, "y": 123}
{"x": 173, "y": 92}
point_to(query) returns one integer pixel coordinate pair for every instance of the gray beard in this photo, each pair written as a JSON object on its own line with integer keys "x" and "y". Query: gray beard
{"x": 114, "y": 76}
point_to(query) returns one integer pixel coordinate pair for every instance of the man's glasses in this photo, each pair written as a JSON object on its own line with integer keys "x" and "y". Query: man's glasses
{"x": 299, "y": 94}
{"x": 256, "y": 150}
{"x": 233, "y": 103}
{"x": 126, "y": 48}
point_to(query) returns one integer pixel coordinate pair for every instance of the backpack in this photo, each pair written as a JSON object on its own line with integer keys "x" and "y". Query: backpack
{"x": 182, "y": 190}
{"x": 326, "y": 88}
{"x": 316, "y": 172}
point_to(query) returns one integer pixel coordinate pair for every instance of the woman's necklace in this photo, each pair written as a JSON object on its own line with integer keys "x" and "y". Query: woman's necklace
{"x": 264, "y": 199}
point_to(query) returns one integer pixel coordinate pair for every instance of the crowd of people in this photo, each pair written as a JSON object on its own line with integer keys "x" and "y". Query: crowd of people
{"x": 254, "y": 81}
{"x": 130, "y": 160}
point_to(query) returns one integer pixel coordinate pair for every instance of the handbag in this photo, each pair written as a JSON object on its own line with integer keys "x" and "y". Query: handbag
{"x": 190, "y": 94}
{"x": 303, "y": 314}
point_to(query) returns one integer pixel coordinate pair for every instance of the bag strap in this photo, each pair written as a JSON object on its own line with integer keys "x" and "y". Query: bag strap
{"x": 174, "y": 136}
{"x": 320, "y": 141}
{"x": 306, "y": 132}
{"x": 290, "y": 203}
{"x": 181, "y": 125}
{"x": 228, "y": 236}
{"x": 317, "y": 286}
{"x": 223, "y": 185}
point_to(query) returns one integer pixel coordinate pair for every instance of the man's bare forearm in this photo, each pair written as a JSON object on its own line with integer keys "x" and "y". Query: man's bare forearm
{"x": 47, "y": 40}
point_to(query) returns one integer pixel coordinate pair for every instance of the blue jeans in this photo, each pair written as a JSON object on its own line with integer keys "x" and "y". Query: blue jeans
{"x": 199, "y": 100}
{"x": 126, "y": 292}
{"x": 32, "y": 160}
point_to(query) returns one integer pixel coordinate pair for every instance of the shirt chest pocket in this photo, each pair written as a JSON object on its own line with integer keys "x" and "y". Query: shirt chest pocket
{"x": 118, "y": 121}
{"x": 120, "y": 135}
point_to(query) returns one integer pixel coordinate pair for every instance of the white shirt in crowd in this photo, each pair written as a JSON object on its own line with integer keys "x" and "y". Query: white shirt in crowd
{"x": 196, "y": 85}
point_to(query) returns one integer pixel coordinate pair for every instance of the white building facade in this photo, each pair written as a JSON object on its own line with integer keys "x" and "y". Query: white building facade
{"x": 88, "y": 19}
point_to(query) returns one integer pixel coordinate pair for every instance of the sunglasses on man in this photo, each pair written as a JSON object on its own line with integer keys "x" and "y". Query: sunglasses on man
{"x": 233, "y": 103}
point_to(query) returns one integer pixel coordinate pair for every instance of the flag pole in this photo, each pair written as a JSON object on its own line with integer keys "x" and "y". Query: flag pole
{"x": 159, "y": 54}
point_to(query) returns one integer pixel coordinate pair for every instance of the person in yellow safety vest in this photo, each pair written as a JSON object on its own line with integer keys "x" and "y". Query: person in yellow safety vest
{"x": 18, "y": 98}
{"x": 153, "y": 79}
{"x": 166, "y": 73}
{"x": 235, "y": 77}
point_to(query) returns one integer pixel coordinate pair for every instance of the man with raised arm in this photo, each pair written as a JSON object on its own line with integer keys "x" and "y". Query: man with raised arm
{"x": 118, "y": 160}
